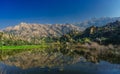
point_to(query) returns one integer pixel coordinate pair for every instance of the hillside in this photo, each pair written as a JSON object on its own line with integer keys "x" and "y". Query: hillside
{"x": 110, "y": 33}
{"x": 40, "y": 30}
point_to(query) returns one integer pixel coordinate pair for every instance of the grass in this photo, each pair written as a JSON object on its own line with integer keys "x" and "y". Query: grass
{"x": 11, "y": 50}
{"x": 22, "y": 47}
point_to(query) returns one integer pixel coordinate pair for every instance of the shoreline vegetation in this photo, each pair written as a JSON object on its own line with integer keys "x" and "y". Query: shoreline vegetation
{"x": 22, "y": 47}
{"x": 92, "y": 52}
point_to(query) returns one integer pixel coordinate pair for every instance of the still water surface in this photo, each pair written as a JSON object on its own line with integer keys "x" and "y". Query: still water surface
{"x": 55, "y": 63}
{"x": 78, "y": 68}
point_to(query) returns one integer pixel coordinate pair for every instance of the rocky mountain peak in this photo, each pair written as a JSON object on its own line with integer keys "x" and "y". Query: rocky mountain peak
{"x": 40, "y": 30}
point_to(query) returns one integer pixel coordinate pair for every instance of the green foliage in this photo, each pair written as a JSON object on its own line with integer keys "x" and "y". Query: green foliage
{"x": 86, "y": 40}
{"x": 23, "y": 47}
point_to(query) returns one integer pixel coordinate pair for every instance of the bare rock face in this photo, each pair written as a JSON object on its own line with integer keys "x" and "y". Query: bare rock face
{"x": 40, "y": 30}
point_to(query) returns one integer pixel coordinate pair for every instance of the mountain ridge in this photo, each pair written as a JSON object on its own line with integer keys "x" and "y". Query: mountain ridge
{"x": 97, "y": 22}
{"x": 40, "y": 30}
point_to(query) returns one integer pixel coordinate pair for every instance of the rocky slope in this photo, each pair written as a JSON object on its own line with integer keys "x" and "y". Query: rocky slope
{"x": 110, "y": 33}
{"x": 40, "y": 30}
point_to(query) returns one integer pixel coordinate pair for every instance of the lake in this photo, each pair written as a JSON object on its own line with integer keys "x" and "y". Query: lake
{"x": 54, "y": 63}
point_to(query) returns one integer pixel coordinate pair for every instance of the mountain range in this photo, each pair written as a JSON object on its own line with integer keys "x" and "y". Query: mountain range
{"x": 96, "y": 22}
{"x": 34, "y": 33}
{"x": 40, "y": 30}
{"x": 26, "y": 30}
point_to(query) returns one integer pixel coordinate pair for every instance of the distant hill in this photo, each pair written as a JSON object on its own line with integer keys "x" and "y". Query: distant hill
{"x": 97, "y": 22}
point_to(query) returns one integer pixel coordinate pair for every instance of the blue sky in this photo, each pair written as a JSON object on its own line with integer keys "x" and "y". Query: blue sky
{"x": 13, "y": 12}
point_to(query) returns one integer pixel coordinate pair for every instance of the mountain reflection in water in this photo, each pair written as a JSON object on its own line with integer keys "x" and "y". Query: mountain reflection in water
{"x": 54, "y": 63}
